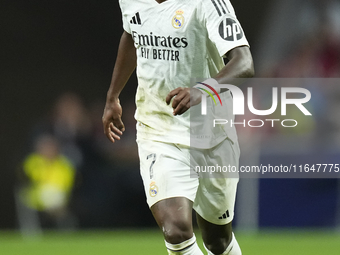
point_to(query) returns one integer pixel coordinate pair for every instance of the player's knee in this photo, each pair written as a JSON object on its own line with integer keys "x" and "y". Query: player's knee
{"x": 177, "y": 231}
{"x": 218, "y": 246}
{"x": 175, "y": 235}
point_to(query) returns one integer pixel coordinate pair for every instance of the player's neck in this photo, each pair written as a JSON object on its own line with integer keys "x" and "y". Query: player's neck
{"x": 160, "y": 1}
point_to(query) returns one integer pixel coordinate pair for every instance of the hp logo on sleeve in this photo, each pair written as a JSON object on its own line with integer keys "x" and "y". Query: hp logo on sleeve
{"x": 230, "y": 30}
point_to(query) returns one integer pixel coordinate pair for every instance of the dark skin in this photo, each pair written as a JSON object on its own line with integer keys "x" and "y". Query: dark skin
{"x": 126, "y": 63}
{"x": 173, "y": 215}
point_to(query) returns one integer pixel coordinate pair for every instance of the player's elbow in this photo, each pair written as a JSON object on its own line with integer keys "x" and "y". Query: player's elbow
{"x": 242, "y": 60}
{"x": 248, "y": 70}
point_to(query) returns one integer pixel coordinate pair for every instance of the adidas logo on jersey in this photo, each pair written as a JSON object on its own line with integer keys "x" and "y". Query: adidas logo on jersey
{"x": 221, "y": 8}
{"x": 224, "y": 216}
{"x": 136, "y": 19}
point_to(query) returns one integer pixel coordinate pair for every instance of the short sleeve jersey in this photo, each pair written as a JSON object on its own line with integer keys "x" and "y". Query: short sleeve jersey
{"x": 176, "y": 41}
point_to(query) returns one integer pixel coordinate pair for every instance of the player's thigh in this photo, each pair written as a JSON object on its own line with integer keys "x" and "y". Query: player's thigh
{"x": 165, "y": 170}
{"x": 215, "y": 198}
{"x": 169, "y": 187}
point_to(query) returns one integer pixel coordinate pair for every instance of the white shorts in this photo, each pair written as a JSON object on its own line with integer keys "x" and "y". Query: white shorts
{"x": 170, "y": 170}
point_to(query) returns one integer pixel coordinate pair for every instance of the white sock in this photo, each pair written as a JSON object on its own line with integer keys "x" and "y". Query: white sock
{"x": 188, "y": 247}
{"x": 232, "y": 249}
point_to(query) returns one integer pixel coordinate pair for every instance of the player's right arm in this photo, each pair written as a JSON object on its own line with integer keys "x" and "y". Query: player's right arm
{"x": 125, "y": 64}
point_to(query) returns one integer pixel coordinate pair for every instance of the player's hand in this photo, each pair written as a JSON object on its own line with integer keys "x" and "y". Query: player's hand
{"x": 183, "y": 99}
{"x": 112, "y": 122}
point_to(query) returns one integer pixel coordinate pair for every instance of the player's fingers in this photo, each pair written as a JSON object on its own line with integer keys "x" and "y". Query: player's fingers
{"x": 113, "y": 133}
{"x": 119, "y": 124}
{"x": 106, "y": 126}
{"x": 111, "y": 138}
{"x": 183, "y": 106}
{"x": 114, "y": 137}
{"x": 115, "y": 130}
{"x": 178, "y": 99}
{"x": 172, "y": 94}
{"x": 108, "y": 132}
{"x": 182, "y": 110}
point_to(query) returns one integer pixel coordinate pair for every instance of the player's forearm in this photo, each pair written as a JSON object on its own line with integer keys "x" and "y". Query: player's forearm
{"x": 125, "y": 64}
{"x": 240, "y": 65}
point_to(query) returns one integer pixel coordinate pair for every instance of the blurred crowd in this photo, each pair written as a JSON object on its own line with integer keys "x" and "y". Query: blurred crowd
{"x": 72, "y": 176}
{"x": 303, "y": 41}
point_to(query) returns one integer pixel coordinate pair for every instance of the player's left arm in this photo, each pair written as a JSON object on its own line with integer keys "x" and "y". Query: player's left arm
{"x": 225, "y": 31}
{"x": 240, "y": 65}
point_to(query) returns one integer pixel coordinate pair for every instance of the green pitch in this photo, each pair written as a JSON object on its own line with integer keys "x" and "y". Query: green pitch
{"x": 131, "y": 242}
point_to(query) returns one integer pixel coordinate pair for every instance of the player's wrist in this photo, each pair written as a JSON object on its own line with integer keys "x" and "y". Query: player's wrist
{"x": 112, "y": 97}
{"x": 208, "y": 85}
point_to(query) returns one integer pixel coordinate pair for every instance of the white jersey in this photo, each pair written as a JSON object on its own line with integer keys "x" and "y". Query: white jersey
{"x": 176, "y": 41}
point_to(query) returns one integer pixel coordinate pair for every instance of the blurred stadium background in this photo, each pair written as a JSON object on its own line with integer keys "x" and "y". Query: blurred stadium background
{"x": 57, "y": 59}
